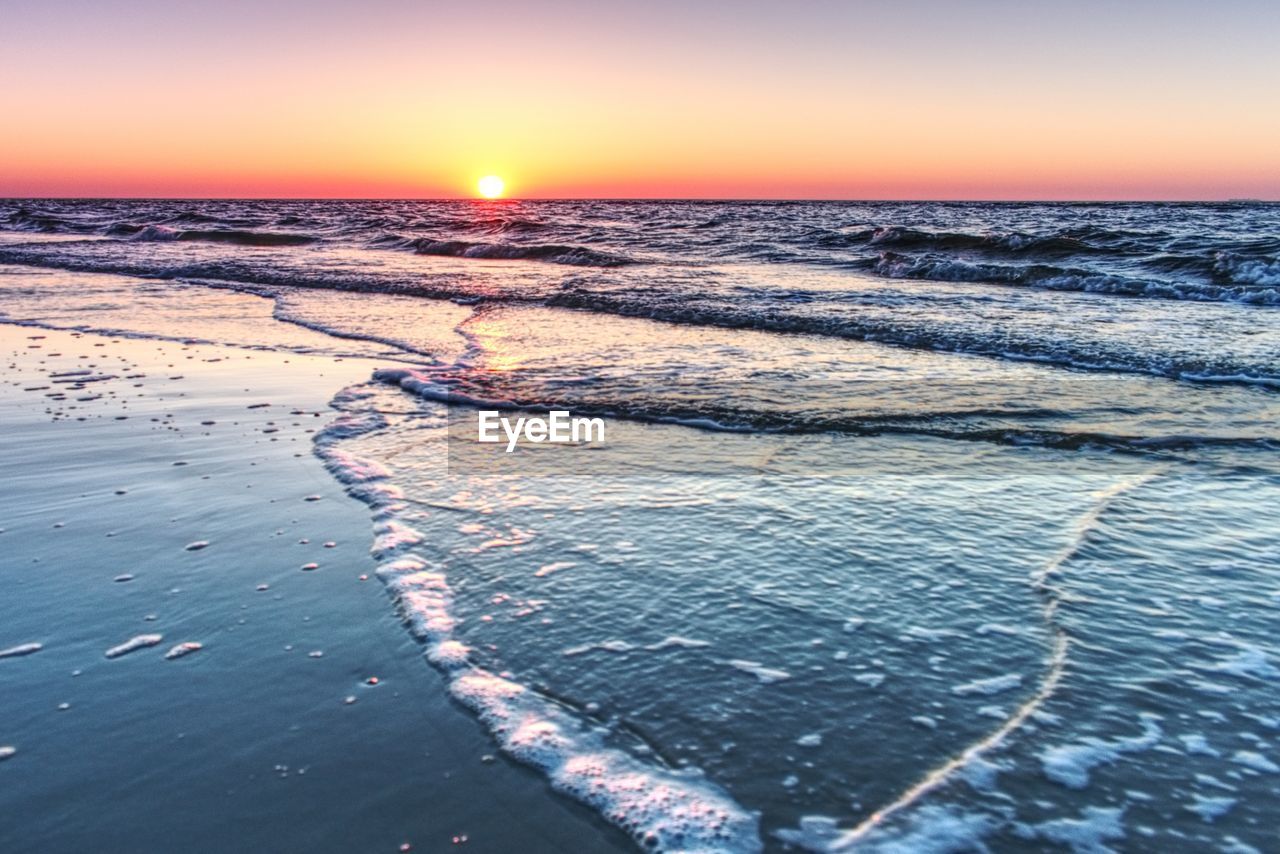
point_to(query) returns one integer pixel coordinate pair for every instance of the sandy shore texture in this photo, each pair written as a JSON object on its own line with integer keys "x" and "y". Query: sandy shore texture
{"x": 160, "y": 502}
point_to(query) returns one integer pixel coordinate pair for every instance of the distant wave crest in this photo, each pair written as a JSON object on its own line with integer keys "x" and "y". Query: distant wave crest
{"x": 554, "y": 253}
{"x": 1248, "y": 281}
{"x": 160, "y": 233}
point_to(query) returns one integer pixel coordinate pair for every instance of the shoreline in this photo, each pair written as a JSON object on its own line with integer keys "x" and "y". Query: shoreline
{"x": 96, "y": 545}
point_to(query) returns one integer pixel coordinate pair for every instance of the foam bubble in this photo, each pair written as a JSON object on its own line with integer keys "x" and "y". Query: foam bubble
{"x": 1197, "y": 743}
{"x": 1086, "y": 834}
{"x": 20, "y": 650}
{"x": 663, "y": 809}
{"x": 1070, "y": 764}
{"x": 986, "y": 687}
{"x": 676, "y": 641}
{"x": 183, "y": 649}
{"x": 758, "y": 670}
{"x": 449, "y": 654}
{"x": 927, "y": 830}
{"x": 1249, "y": 662}
{"x": 548, "y": 569}
{"x": 391, "y": 536}
{"x": 1256, "y": 761}
{"x": 1210, "y": 808}
{"x": 604, "y": 646}
{"x": 133, "y": 644}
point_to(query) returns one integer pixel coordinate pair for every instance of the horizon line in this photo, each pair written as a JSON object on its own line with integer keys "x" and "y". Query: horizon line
{"x": 708, "y": 199}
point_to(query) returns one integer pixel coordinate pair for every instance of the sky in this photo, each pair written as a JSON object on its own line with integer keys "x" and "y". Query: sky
{"x": 813, "y": 99}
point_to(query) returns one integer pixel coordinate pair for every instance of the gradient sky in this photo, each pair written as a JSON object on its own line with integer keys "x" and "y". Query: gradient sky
{"x": 802, "y": 99}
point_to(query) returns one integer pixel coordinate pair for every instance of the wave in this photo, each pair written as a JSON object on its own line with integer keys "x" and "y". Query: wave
{"x": 1231, "y": 269}
{"x": 1249, "y": 281}
{"x": 786, "y": 312}
{"x": 662, "y": 809}
{"x": 446, "y": 385}
{"x": 24, "y": 219}
{"x": 550, "y": 252}
{"x": 858, "y": 327}
{"x": 1011, "y": 243}
{"x": 1008, "y": 243}
{"x": 241, "y": 274}
{"x": 195, "y": 218}
{"x": 507, "y": 225}
{"x": 162, "y": 233}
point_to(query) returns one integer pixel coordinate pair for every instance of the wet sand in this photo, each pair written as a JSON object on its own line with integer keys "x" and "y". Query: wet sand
{"x": 161, "y": 502}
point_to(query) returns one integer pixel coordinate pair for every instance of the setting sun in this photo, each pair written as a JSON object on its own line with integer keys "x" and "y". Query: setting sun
{"x": 490, "y": 186}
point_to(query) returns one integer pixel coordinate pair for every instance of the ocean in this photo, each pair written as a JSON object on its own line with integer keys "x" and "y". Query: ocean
{"x": 927, "y": 525}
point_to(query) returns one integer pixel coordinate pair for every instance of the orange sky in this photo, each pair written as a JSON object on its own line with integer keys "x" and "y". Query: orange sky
{"x": 817, "y": 100}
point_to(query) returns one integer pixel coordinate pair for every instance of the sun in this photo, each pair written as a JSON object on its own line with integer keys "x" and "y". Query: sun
{"x": 490, "y": 186}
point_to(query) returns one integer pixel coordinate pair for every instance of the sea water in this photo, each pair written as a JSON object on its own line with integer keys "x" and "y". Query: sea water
{"x": 918, "y": 525}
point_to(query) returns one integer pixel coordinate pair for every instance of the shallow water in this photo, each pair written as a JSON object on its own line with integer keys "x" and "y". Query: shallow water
{"x": 947, "y": 525}
{"x": 251, "y": 741}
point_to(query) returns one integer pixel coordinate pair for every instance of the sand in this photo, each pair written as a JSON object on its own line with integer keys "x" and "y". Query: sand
{"x": 165, "y": 498}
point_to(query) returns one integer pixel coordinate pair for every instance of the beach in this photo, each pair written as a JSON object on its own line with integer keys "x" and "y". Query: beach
{"x": 665, "y": 427}
{"x": 912, "y": 525}
{"x": 270, "y": 737}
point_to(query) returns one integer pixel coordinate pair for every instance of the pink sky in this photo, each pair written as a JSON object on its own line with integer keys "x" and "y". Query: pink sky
{"x": 811, "y": 99}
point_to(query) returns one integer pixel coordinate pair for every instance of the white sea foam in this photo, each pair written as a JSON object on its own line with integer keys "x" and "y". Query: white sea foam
{"x": 6, "y": 751}
{"x": 1210, "y": 808}
{"x": 665, "y": 810}
{"x": 183, "y": 649}
{"x": 997, "y": 628}
{"x": 133, "y": 644}
{"x": 1087, "y": 834}
{"x": 20, "y": 650}
{"x": 986, "y": 687}
{"x": 1249, "y": 662}
{"x": 351, "y": 424}
{"x": 391, "y": 536}
{"x": 1197, "y": 743}
{"x": 927, "y": 830}
{"x": 547, "y": 569}
{"x": 604, "y": 646}
{"x": 758, "y": 670}
{"x": 353, "y": 469}
{"x": 677, "y": 642}
{"x": 1070, "y": 764}
{"x": 1256, "y": 761}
